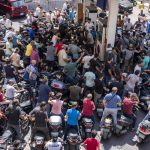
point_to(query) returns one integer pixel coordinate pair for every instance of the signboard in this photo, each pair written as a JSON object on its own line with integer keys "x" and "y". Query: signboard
{"x": 80, "y": 13}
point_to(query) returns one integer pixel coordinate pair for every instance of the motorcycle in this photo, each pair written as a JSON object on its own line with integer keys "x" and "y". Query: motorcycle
{"x": 9, "y": 135}
{"x": 39, "y": 141}
{"x": 134, "y": 2}
{"x": 143, "y": 132}
{"x": 123, "y": 126}
{"x": 107, "y": 128}
{"x": 73, "y": 140}
{"x": 55, "y": 123}
{"x": 86, "y": 128}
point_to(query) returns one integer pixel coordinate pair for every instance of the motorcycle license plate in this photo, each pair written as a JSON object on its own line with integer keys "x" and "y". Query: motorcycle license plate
{"x": 88, "y": 130}
{"x": 99, "y": 109}
{"x": 21, "y": 14}
{"x": 141, "y": 135}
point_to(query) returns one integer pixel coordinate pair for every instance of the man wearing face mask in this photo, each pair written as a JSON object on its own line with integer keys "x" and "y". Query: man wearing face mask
{"x": 111, "y": 103}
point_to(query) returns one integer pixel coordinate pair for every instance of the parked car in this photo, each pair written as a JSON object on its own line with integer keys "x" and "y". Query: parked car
{"x": 13, "y": 8}
{"x": 125, "y": 5}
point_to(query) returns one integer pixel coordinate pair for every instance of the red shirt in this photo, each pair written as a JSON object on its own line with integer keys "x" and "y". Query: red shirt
{"x": 59, "y": 47}
{"x": 88, "y": 107}
{"x": 1, "y": 97}
{"x": 128, "y": 106}
{"x": 91, "y": 144}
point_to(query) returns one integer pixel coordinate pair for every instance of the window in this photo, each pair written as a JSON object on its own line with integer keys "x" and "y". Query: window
{"x": 17, "y": 3}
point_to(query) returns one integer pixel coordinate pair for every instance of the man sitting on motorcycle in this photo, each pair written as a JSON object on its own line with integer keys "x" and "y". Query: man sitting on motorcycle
{"x": 56, "y": 106}
{"x": 40, "y": 121}
{"x": 111, "y": 102}
{"x": 128, "y": 107}
{"x": 72, "y": 117}
{"x": 13, "y": 113}
{"x": 88, "y": 107}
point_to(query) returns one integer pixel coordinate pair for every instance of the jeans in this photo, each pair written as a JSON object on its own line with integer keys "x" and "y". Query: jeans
{"x": 109, "y": 111}
{"x": 68, "y": 127}
{"x": 17, "y": 130}
{"x": 107, "y": 79}
{"x": 96, "y": 97}
{"x": 133, "y": 117}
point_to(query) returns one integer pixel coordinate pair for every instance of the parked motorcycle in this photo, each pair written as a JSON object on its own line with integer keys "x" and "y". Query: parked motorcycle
{"x": 143, "y": 132}
{"x": 39, "y": 141}
{"x": 73, "y": 140}
{"x": 86, "y": 128}
{"x": 9, "y": 135}
{"x": 107, "y": 128}
{"x": 55, "y": 124}
{"x": 123, "y": 126}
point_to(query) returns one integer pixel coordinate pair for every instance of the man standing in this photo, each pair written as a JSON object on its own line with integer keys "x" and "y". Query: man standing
{"x": 111, "y": 102}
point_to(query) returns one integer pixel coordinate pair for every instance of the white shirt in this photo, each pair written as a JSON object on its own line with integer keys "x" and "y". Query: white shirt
{"x": 9, "y": 33}
{"x": 6, "y": 22}
{"x": 10, "y": 91}
{"x": 64, "y": 8}
{"x": 86, "y": 60}
{"x": 53, "y": 146}
{"x": 37, "y": 11}
{"x": 61, "y": 56}
{"x": 9, "y": 45}
{"x": 88, "y": 26}
{"x": 90, "y": 77}
{"x": 54, "y": 39}
{"x": 48, "y": 17}
{"x": 133, "y": 79}
{"x": 137, "y": 68}
{"x": 128, "y": 26}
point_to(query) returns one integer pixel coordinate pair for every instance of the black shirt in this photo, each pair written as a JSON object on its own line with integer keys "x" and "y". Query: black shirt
{"x": 2, "y": 54}
{"x": 40, "y": 118}
{"x": 93, "y": 64}
{"x": 107, "y": 68}
{"x": 13, "y": 115}
{"x": 9, "y": 71}
{"x": 99, "y": 86}
{"x": 119, "y": 85}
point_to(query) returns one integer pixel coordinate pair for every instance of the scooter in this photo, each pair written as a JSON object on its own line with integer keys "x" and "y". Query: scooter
{"x": 73, "y": 140}
{"x": 86, "y": 128}
{"x": 55, "y": 124}
{"x": 39, "y": 141}
{"x": 123, "y": 126}
{"x": 107, "y": 128}
{"x": 143, "y": 132}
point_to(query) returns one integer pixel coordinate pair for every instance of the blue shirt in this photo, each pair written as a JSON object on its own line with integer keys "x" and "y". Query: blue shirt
{"x": 44, "y": 91}
{"x": 112, "y": 100}
{"x": 73, "y": 116}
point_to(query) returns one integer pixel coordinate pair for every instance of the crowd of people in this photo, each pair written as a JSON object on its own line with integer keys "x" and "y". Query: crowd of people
{"x": 70, "y": 47}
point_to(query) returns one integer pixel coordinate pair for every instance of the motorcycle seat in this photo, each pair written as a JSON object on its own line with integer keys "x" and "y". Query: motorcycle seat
{"x": 39, "y": 136}
{"x": 126, "y": 119}
{"x": 73, "y": 135}
{"x": 87, "y": 120}
{"x": 55, "y": 120}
